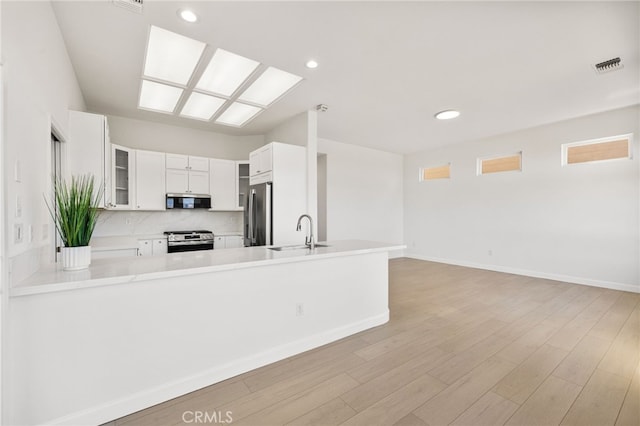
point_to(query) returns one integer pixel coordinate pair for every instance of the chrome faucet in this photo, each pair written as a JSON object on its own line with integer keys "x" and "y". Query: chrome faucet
{"x": 308, "y": 241}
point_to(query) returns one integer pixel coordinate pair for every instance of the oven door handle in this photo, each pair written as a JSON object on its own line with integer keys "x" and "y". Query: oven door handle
{"x": 190, "y": 243}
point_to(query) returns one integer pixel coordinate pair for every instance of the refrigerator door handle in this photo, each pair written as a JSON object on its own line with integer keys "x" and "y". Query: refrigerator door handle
{"x": 268, "y": 239}
{"x": 251, "y": 233}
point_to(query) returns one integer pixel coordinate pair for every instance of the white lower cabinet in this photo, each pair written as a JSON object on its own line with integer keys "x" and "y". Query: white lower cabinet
{"x": 108, "y": 254}
{"x": 219, "y": 243}
{"x": 152, "y": 247}
{"x": 227, "y": 241}
{"x": 234, "y": 241}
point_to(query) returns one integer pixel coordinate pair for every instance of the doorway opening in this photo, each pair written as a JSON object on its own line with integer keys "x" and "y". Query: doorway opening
{"x": 56, "y": 176}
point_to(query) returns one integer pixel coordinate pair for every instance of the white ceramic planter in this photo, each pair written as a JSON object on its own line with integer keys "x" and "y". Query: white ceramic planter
{"x": 75, "y": 258}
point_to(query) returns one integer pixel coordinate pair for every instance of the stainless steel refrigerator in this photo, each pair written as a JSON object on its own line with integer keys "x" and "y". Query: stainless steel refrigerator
{"x": 258, "y": 215}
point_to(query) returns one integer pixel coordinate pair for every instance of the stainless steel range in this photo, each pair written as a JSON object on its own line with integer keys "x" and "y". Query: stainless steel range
{"x": 179, "y": 241}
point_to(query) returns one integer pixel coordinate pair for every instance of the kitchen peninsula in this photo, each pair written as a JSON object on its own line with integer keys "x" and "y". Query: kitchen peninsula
{"x": 132, "y": 332}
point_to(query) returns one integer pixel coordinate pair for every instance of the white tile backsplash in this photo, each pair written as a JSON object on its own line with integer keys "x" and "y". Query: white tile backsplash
{"x": 113, "y": 223}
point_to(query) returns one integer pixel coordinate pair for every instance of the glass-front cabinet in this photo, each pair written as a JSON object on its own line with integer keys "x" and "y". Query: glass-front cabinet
{"x": 243, "y": 182}
{"x": 122, "y": 160}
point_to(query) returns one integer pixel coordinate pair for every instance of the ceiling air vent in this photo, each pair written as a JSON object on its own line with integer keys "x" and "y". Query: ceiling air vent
{"x": 608, "y": 66}
{"x": 132, "y": 5}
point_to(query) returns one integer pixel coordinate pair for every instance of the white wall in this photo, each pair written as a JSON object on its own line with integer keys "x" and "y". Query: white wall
{"x": 154, "y": 136}
{"x": 577, "y": 223}
{"x": 293, "y": 131}
{"x": 40, "y": 88}
{"x": 364, "y": 193}
{"x": 363, "y": 186}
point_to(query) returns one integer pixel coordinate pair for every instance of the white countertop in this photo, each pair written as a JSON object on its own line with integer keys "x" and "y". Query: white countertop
{"x": 133, "y": 269}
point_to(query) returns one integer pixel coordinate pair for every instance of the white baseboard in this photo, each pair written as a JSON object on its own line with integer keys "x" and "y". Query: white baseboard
{"x": 528, "y": 273}
{"x": 138, "y": 401}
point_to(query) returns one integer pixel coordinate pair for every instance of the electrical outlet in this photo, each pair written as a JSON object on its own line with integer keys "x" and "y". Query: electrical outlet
{"x": 299, "y": 309}
{"x": 17, "y": 233}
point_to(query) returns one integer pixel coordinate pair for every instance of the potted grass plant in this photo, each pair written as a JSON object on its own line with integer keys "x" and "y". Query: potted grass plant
{"x": 74, "y": 211}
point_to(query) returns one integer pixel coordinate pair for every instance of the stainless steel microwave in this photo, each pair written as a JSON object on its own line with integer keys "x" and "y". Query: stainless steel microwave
{"x": 188, "y": 201}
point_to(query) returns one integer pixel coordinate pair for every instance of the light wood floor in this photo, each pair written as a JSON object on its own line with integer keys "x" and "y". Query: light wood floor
{"x": 463, "y": 347}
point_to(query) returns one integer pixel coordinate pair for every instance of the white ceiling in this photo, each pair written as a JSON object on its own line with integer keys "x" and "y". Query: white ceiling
{"x": 385, "y": 67}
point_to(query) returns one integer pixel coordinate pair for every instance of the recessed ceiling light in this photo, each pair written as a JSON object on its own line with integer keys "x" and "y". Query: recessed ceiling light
{"x": 272, "y": 84}
{"x": 238, "y": 114}
{"x": 201, "y": 106}
{"x": 447, "y": 114}
{"x": 188, "y": 15}
{"x": 311, "y": 64}
{"x": 171, "y": 57}
{"x": 158, "y": 97}
{"x": 226, "y": 72}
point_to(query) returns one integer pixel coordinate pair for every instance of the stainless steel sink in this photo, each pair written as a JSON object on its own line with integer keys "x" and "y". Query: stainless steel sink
{"x": 300, "y": 247}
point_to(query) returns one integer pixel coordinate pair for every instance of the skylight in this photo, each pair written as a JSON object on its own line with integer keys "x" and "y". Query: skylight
{"x": 172, "y": 65}
{"x": 272, "y": 84}
{"x": 226, "y": 72}
{"x": 238, "y": 114}
{"x": 158, "y": 97}
{"x": 201, "y": 106}
{"x": 172, "y": 57}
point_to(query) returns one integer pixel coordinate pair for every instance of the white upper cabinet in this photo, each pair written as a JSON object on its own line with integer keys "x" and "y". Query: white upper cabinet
{"x": 242, "y": 172}
{"x": 261, "y": 161}
{"x": 200, "y": 164}
{"x": 198, "y": 182}
{"x": 177, "y": 161}
{"x": 187, "y": 174}
{"x": 222, "y": 182}
{"x": 150, "y": 180}
{"x": 187, "y": 162}
{"x": 122, "y": 176}
{"x": 89, "y": 150}
{"x": 177, "y": 181}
